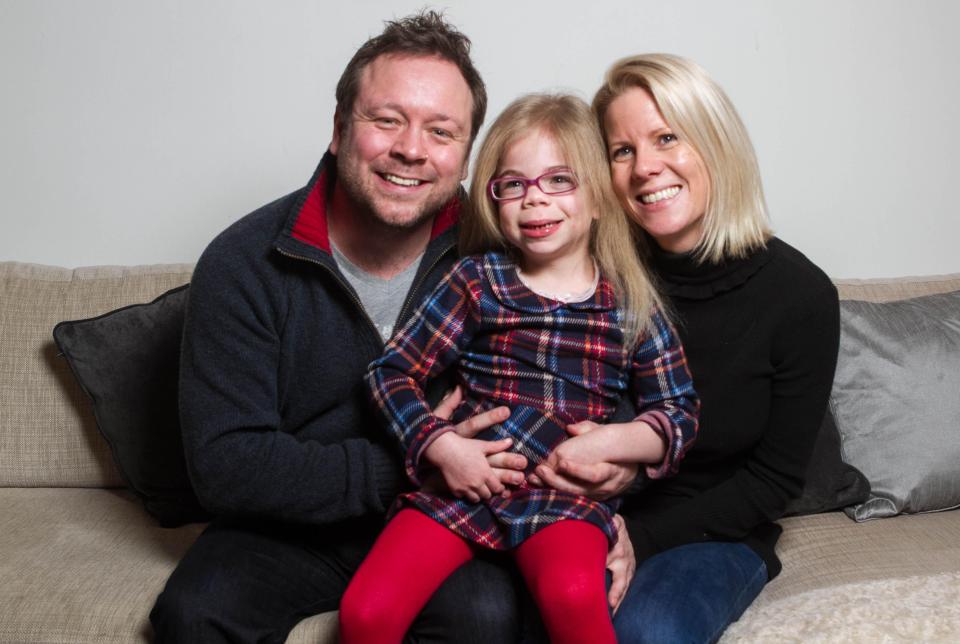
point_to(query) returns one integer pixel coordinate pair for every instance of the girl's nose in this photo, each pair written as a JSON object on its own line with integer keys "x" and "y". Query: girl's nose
{"x": 535, "y": 196}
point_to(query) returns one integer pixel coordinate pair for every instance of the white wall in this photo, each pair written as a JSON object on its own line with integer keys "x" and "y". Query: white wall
{"x": 133, "y": 131}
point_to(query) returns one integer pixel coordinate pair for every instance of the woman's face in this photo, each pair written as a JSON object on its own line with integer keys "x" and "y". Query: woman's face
{"x": 661, "y": 180}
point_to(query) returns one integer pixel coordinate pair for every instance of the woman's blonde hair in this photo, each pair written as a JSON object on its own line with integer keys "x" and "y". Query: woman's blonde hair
{"x": 613, "y": 241}
{"x": 698, "y": 110}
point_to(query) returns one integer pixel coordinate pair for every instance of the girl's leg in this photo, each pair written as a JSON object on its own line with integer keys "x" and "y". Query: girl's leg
{"x": 563, "y": 566}
{"x": 690, "y": 593}
{"x": 409, "y": 561}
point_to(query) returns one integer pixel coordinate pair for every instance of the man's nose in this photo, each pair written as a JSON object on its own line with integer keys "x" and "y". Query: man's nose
{"x": 409, "y": 146}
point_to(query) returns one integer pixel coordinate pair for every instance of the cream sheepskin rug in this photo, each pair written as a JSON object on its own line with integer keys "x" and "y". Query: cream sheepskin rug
{"x": 915, "y": 609}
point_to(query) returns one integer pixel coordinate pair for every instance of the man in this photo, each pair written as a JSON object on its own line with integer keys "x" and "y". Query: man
{"x": 287, "y": 308}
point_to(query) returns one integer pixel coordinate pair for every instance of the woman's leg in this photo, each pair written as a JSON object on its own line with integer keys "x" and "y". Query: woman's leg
{"x": 409, "y": 561}
{"x": 690, "y": 593}
{"x": 564, "y": 567}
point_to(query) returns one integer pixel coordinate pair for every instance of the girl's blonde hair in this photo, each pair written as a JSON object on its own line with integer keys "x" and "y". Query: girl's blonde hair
{"x": 613, "y": 240}
{"x": 698, "y": 110}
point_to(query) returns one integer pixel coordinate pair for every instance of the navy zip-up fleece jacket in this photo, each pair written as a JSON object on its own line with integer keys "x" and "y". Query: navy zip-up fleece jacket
{"x": 276, "y": 420}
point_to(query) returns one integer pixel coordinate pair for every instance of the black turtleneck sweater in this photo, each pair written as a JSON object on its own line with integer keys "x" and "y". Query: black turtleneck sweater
{"x": 761, "y": 338}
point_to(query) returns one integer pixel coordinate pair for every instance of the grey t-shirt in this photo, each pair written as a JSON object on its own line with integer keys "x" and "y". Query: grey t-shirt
{"x": 382, "y": 298}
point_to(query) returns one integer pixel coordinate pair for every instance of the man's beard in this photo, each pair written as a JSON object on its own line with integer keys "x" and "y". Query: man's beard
{"x": 364, "y": 204}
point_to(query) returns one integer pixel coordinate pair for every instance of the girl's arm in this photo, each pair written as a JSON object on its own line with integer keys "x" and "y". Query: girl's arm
{"x": 600, "y": 461}
{"x": 662, "y": 390}
{"x": 429, "y": 343}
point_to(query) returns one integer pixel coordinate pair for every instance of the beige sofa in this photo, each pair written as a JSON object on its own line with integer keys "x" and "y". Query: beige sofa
{"x": 81, "y": 561}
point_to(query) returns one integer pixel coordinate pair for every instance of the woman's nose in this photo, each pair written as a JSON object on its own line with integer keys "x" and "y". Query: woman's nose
{"x": 647, "y": 164}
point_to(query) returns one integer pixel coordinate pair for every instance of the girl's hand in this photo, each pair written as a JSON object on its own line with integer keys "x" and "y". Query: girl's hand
{"x": 464, "y": 466}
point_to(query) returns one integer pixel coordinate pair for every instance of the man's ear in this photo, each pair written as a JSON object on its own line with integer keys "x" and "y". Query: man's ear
{"x": 335, "y": 139}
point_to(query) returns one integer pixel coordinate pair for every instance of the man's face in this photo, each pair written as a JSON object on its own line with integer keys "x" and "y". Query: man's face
{"x": 402, "y": 150}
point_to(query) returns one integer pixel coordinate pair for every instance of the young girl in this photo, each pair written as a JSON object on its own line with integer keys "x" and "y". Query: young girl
{"x": 555, "y": 320}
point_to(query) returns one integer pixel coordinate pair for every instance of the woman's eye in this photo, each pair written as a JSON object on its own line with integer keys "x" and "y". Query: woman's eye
{"x": 666, "y": 139}
{"x": 621, "y": 153}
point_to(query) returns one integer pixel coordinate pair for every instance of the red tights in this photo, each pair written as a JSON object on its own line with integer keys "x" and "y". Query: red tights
{"x": 562, "y": 564}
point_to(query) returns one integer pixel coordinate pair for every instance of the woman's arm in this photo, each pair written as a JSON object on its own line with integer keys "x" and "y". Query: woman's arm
{"x": 803, "y": 357}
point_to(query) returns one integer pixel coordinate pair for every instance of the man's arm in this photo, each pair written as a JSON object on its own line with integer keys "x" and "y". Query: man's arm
{"x": 239, "y": 460}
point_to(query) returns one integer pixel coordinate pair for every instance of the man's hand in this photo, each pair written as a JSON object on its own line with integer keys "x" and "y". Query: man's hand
{"x": 580, "y": 464}
{"x": 507, "y": 466}
{"x": 463, "y": 464}
{"x": 621, "y": 563}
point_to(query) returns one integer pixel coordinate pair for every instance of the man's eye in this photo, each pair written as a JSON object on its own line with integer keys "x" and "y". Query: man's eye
{"x": 442, "y": 133}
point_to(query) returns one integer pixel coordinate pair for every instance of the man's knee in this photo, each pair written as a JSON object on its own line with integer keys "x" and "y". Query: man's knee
{"x": 478, "y": 603}
{"x": 181, "y": 615}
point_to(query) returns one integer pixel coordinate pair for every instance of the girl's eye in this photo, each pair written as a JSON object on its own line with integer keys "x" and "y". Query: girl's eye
{"x": 621, "y": 153}
{"x": 561, "y": 179}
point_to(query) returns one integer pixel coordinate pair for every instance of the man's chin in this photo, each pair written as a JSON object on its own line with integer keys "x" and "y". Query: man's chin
{"x": 403, "y": 219}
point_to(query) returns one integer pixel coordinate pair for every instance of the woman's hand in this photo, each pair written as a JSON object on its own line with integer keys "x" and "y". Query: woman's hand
{"x": 507, "y": 466}
{"x": 463, "y": 464}
{"x": 583, "y": 463}
{"x": 621, "y": 563}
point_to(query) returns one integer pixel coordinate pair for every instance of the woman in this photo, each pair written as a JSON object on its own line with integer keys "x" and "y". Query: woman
{"x": 760, "y": 326}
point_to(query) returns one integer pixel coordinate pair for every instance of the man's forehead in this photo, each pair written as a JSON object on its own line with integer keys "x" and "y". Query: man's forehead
{"x": 393, "y": 75}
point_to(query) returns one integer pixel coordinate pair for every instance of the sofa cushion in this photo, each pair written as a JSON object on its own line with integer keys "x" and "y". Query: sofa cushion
{"x": 48, "y": 436}
{"x": 127, "y": 361}
{"x": 86, "y": 565}
{"x": 895, "y": 401}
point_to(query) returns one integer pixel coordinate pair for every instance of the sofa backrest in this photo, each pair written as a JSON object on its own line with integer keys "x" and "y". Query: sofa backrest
{"x": 48, "y": 436}
{"x": 899, "y": 288}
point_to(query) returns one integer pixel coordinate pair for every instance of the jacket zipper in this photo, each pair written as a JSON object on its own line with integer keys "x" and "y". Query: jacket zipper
{"x": 406, "y": 304}
{"x": 346, "y": 287}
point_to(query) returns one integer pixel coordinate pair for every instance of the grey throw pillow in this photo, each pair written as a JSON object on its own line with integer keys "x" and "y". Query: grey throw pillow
{"x": 896, "y": 401}
{"x": 830, "y": 483}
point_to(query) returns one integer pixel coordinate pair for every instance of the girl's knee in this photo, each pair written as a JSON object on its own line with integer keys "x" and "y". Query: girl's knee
{"x": 362, "y": 618}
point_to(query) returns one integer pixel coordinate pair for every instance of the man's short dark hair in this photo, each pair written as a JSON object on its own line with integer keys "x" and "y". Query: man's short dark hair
{"x": 424, "y": 34}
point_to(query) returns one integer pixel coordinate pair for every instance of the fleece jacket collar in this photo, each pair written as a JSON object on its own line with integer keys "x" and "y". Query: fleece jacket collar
{"x": 306, "y": 234}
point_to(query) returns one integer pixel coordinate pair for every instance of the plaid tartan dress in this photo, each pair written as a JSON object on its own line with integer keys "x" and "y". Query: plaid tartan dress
{"x": 552, "y": 363}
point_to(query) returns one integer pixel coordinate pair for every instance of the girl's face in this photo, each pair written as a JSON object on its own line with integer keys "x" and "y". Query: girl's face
{"x": 661, "y": 180}
{"x": 543, "y": 227}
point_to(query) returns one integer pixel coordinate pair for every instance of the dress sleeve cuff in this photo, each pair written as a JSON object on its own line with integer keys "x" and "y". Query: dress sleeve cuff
{"x": 660, "y": 423}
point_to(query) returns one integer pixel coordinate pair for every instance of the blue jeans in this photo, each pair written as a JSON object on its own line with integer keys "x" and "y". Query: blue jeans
{"x": 690, "y": 593}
